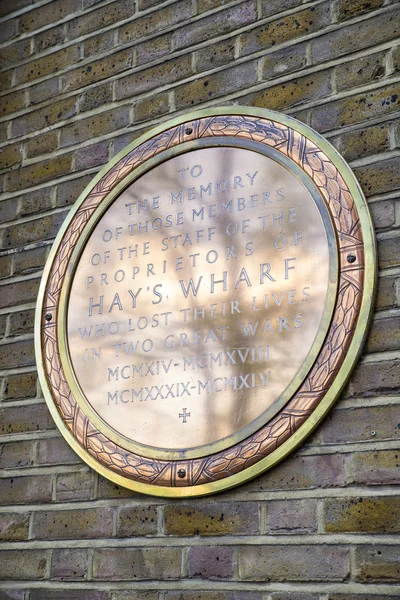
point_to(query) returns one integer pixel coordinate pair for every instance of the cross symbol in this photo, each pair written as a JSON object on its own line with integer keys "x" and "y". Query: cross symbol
{"x": 184, "y": 415}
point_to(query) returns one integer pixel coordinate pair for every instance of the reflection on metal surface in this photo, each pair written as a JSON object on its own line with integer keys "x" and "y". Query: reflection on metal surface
{"x": 197, "y": 299}
{"x": 334, "y": 257}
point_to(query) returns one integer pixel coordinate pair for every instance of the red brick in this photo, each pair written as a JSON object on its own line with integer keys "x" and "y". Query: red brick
{"x": 69, "y": 564}
{"x": 14, "y": 527}
{"x": 47, "y": 14}
{"x": 211, "y": 563}
{"x": 102, "y": 17}
{"x": 376, "y": 468}
{"x": 291, "y": 517}
{"x": 357, "y": 36}
{"x": 290, "y": 27}
{"x": 377, "y": 564}
{"x": 212, "y": 518}
{"x": 362, "y": 515}
{"x": 111, "y": 564}
{"x": 208, "y": 27}
{"x": 155, "y": 22}
{"x": 25, "y": 490}
{"x": 293, "y": 563}
{"x": 73, "y": 524}
{"x": 356, "y": 424}
{"x": 24, "y": 564}
{"x": 137, "y": 520}
{"x": 72, "y": 487}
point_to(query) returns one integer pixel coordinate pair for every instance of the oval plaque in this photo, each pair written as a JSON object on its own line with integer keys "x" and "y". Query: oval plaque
{"x": 205, "y": 301}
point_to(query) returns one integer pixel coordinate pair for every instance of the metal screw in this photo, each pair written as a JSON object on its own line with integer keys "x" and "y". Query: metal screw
{"x": 48, "y": 317}
{"x": 181, "y": 473}
{"x": 373, "y": 432}
{"x": 188, "y": 130}
{"x": 351, "y": 258}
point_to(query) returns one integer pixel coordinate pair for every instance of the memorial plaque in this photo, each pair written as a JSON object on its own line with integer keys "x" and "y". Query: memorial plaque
{"x": 205, "y": 301}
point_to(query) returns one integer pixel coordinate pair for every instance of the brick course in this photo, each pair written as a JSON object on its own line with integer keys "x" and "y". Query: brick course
{"x": 79, "y": 80}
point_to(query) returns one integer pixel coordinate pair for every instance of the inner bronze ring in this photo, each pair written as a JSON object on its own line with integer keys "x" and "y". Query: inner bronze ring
{"x": 330, "y": 299}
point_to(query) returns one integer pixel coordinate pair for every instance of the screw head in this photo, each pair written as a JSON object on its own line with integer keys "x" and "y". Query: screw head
{"x": 48, "y": 317}
{"x": 188, "y": 130}
{"x": 351, "y": 258}
{"x": 181, "y": 473}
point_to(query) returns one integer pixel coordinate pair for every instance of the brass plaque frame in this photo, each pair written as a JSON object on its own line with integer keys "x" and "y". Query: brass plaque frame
{"x": 219, "y": 467}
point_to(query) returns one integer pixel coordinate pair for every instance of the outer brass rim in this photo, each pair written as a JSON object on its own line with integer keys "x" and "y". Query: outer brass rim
{"x": 337, "y": 385}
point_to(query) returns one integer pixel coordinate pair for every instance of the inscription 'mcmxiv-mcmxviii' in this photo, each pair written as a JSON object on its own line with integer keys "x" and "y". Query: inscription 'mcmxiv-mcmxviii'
{"x": 199, "y": 302}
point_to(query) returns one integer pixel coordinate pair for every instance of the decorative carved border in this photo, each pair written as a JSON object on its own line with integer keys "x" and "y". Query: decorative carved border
{"x": 342, "y": 207}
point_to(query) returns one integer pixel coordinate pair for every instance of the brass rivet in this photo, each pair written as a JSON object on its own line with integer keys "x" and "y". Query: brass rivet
{"x": 351, "y": 258}
{"x": 181, "y": 473}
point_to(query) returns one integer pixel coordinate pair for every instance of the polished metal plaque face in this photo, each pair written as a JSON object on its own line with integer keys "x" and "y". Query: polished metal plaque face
{"x": 205, "y": 302}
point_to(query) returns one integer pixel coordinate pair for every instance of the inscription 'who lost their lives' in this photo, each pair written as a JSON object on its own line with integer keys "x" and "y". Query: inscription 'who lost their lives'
{"x": 198, "y": 298}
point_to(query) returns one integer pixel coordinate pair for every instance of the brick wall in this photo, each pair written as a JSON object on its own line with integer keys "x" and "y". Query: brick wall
{"x": 81, "y": 79}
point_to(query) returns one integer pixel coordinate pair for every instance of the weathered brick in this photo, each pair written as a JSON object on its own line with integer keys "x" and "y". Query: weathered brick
{"x": 97, "y": 70}
{"x": 47, "y": 14}
{"x": 17, "y": 354}
{"x": 35, "y": 202}
{"x": 41, "y": 144}
{"x": 271, "y": 7}
{"x": 147, "y": 79}
{"x": 208, "y": 27}
{"x": 155, "y": 22}
{"x": 107, "y": 489}
{"x": 213, "y": 595}
{"x": 386, "y": 296}
{"x": 99, "y": 44}
{"x": 73, "y": 524}
{"x": 21, "y": 322}
{"x": 10, "y": 155}
{"x": 14, "y": 527}
{"x": 379, "y": 563}
{"x": 292, "y": 517}
{"x": 347, "y": 9}
{"x": 19, "y": 419}
{"x": 207, "y": 562}
{"x": 102, "y": 17}
{"x": 153, "y": 49}
{"x": 20, "y": 386}
{"x": 39, "y": 172}
{"x": 3, "y": 321}
{"x": 131, "y": 595}
{"x": 56, "y": 451}
{"x": 379, "y": 177}
{"x": 215, "y": 55}
{"x": 362, "y": 515}
{"x": 137, "y": 520}
{"x": 286, "y": 60}
{"x": 306, "y": 472}
{"x": 16, "y": 454}
{"x": 384, "y": 335}
{"x": 15, "y": 52}
{"x": 69, "y": 564}
{"x": 361, "y": 71}
{"x": 49, "y": 37}
{"x": 291, "y": 93}
{"x": 24, "y": 564}
{"x": 33, "y": 231}
{"x": 50, "y": 63}
{"x": 363, "y": 142}
{"x": 72, "y": 487}
{"x": 356, "y": 424}
{"x": 357, "y": 36}
{"x": 122, "y": 141}
{"x": 8, "y": 210}
{"x": 215, "y": 85}
{"x": 8, "y": 30}
{"x": 356, "y": 109}
{"x": 284, "y": 29}
{"x": 92, "y": 156}
{"x": 3, "y": 131}
{"x": 25, "y": 490}
{"x": 44, "y": 117}
{"x": 151, "y": 107}
{"x": 12, "y": 594}
{"x": 141, "y": 563}
{"x": 69, "y": 191}
{"x": 368, "y": 378}
{"x": 29, "y": 261}
{"x": 95, "y": 126}
{"x": 45, "y": 90}
{"x": 66, "y": 594}
{"x": 214, "y": 518}
{"x": 288, "y": 563}
{"x": 389, "y": 252}
{"x": 95, "y": 97}
{"x": 12, "y": 102}
{"x": 376, "y": 468}
{"x": 295, "y": 596}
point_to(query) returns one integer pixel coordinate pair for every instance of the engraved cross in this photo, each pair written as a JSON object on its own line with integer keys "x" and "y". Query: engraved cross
{"x": 184, "y": 415}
